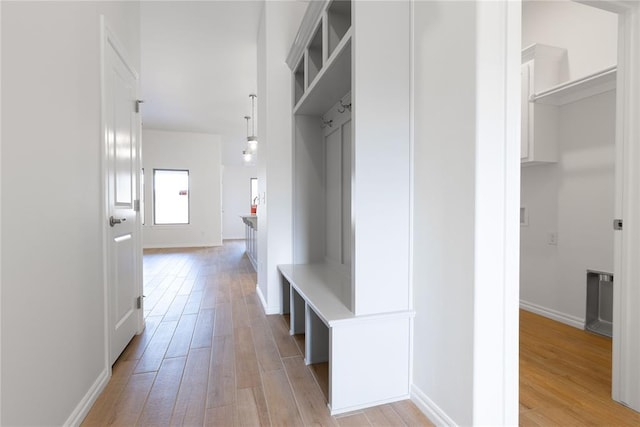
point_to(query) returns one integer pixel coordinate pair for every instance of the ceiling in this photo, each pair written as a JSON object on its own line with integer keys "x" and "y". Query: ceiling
{"x": 198, "y": 67}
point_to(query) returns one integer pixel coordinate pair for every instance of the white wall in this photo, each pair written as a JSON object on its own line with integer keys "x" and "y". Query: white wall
{"x": 443, "y": 249}
{"x": 278, "y": 27}
{"x": 236, "y": 195}
{"x": 590, "y": 35}
{"x": 199, "y": 153}
{"x": 574, "y": 197}
{"x": 53, "y": 330}
{"x": 465, "y": 204}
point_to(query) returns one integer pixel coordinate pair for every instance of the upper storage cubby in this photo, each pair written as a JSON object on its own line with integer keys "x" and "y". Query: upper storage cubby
{"x": 338, "y": 22}
{"x": 322, "y": 57}
{"x": 299, "y": 81}
{"x": 314, "y": 55}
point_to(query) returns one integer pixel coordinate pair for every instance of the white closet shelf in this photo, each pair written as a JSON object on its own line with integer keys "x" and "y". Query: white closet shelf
{"x": 330, "y": 84}
{"x": 575, "y": 90}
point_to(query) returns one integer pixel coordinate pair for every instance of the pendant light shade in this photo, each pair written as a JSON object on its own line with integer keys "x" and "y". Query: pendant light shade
{"x": 247, "y": 156}
{"x": 252, "y": 142}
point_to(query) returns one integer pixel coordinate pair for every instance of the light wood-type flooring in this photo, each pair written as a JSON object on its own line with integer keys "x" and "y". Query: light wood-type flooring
{"x": 565, "y": 377}
{"x": 209, "y": 355}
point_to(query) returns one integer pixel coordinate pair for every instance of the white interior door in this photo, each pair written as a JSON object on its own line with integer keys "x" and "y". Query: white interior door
{"x": 122, "y": 174}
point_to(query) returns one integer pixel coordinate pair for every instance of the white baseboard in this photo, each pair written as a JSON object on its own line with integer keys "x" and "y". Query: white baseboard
{"x": 267, "y": 310}
{"x": 567, "y": 319}
{"x": 334, "y": 412}
{"x": 81, "y": 411}
{"x": 430, "y": 409}
{"x": 181, "y": 245}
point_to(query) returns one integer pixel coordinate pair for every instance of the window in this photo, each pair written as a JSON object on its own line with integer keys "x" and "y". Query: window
{"x": 254, "y": 191}
{"x": 171, "y": 196}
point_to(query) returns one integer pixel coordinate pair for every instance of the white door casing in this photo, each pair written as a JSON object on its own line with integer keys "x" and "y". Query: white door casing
{"x": 123, "y": 253}
{"x": 626, "y": 316}
{"x": 626, "y": 321}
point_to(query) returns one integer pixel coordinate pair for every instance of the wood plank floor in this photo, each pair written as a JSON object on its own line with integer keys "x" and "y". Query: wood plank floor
{"x": 565, "y": 377}
{"x": 209, "y": 355}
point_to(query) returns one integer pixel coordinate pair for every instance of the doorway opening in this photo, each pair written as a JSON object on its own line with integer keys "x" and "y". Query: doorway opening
{"x": 571, "y": 186}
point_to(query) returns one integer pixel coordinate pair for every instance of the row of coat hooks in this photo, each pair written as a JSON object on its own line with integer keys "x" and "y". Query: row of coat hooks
{"x": 341, "y": 109}
{"x": 326, "y": 123}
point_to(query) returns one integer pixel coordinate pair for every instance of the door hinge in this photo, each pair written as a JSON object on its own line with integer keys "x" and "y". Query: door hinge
{"x": 136, "y": 205}
{"x": 617, "y": 224}
{"x": 138, "y": 102}
{"x": 139, "y": 302}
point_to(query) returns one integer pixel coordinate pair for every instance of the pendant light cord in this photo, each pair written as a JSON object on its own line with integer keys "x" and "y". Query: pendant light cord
{"x": 253, "y": 115}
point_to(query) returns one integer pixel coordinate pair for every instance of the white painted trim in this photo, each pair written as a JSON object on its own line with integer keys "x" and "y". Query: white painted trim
{"x": 511, "y": 290}
{"x": 183, "y": 245}
{"x": 429, "y": 408}
{"x": 626, "y": 324}
{"x": 103, "y": 188}
{"x": 618, "y": 249}
{"x": 233, "y": 237}
{"x": 497, "y": 225}
{"x": 139, "y": 218}
{"x": 626, "y": 294}
{"x": 614, "y": 6}
{"x": 412, "y": 141}
{"x": 366, "y": 405}
{"x": 364, "y": 318}
{"x": 549, "y": 313}
{"x": 83, "y": 407}
{"x": 267, "y": 310}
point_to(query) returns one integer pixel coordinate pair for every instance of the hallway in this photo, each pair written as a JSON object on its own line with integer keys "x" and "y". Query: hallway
{"x": 209, "y": 355}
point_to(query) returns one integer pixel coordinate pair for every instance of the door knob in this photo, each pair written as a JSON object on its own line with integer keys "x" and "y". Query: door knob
{"x": 113, "y": 221}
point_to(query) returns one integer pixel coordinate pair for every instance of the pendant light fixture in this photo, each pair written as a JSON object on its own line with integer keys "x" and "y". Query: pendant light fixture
{"x": 247, "y": 154}
{"x": 252, "y": 141}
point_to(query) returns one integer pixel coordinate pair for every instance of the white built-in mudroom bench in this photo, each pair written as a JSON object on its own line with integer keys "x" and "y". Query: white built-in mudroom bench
{"x": 347, "y": 289}
{"x": 368, "y": 355}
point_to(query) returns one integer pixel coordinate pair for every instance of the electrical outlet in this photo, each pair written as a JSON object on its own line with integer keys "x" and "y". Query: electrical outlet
{"x": 552, "y": 238}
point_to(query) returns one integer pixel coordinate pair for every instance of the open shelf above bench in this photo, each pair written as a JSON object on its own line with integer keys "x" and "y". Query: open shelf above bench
{"x": 576, "y": 90}
{"x": 330, "y": 84}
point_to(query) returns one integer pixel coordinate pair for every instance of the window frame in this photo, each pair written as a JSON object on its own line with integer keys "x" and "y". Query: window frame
{"x": 251, "y": 196}
{"x": 155, "y": 221}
